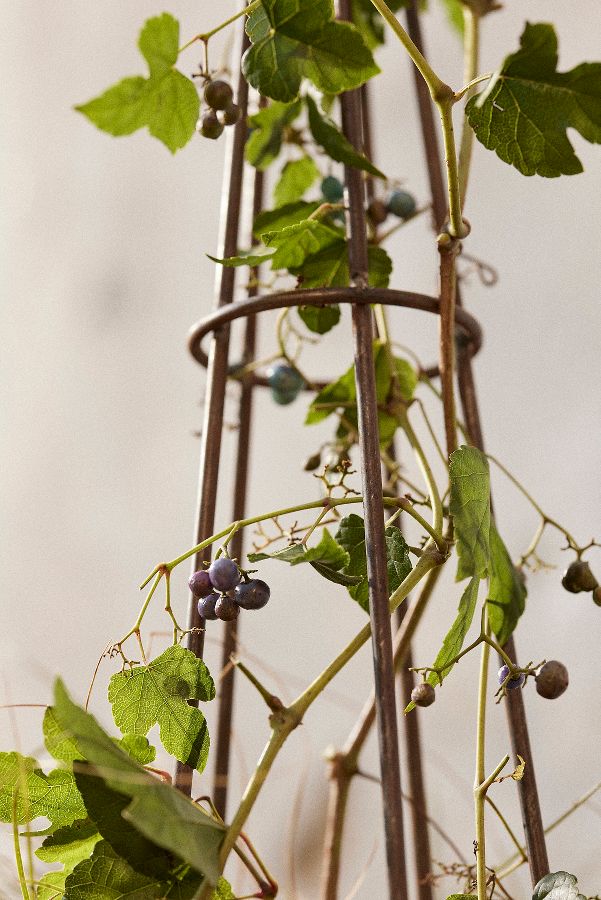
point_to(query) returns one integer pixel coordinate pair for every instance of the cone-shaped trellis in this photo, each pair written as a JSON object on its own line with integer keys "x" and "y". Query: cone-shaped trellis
{"x": 216, "y": 330}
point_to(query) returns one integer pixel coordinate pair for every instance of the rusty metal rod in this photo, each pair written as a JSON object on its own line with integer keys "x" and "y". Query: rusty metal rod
{"x": 369, "y": 443}
{"x": 230, "y": 631}
{"x": 217, "y": 369}
{"x": 516, "y": 714}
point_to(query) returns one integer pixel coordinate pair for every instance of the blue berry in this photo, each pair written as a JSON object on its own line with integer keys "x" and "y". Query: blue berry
{"x": 401, "y": 204}
{"x": 285, "y": 383}
{"x": 513, "y": 683}
{"x": 226, "y": 608}
{"x": 206, "y": 606}
{"x": 252, "y": 594}
{"x": 224, "y": 574}
{"x": 200, "y": 583}
{"x": 332, "y": 189}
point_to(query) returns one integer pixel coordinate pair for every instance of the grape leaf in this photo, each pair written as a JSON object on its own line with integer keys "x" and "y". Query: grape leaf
{"x": 296, "y": 39}
{"x": 295, "y": 179}
{"x": 506, "y": 592}
{"x": 330, "y": 268}
{"x": 453, "y": 642}
{"x": 320, "y": 319}
{"x": 369, "y": 21}
{"x": 351, "y": 536}
{"x": 69, "y": 846}
{"x": 470, "y": 508}
{"x": 557, "y": 886}
{"x": 54, "y": 796}
{"x": 167, "y": 102}
{"x": 328, "y": 551}
{"x": 58, "y": 744}
{"x": 524, "y": 112}
{"x": 157, "y": 694}
{"x": 156, "y": 810}
{"x": 295, "y": 243}
{"x": 283, "y": 216}
{"x": 462, "y": 897}
{"x": 267, "y": 132}
{"x": 138, "y": 747}
{"x": 454, "y": 10}
{"x": 328, "y": 136}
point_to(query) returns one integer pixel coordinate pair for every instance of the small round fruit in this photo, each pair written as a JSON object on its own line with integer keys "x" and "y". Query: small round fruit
{"x": 206, "y": 606}
{"x": 578, "y": 577}
{"x": 552, "y": 680}
{"x": 332, "y": 189}
{"x": 224, "y": 574}
{"x": 200, "y": 584}
{"x": 377, "y": 212}
{"x": 597, "y": 595}
{"x": 226, "y": 608}
{"x": 423, "y": 694}
{"x": 252, "y": 594}
{"x": 218, "y": 94}
{"x": 513, "y": 683}
{"x": 231, "y": 114}
{"x": 210, "y": 126}
{"x": 285, "y": 383}
{"x": 401, "y": 204}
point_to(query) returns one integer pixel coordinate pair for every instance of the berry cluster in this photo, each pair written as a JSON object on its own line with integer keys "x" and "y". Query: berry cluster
{"x": 222, "y": 593}
{"x": 578, "y": 577}
{"x": 222, "y": 111}
{"x": 551, "y": 680}
{"x": 285, "y": 382}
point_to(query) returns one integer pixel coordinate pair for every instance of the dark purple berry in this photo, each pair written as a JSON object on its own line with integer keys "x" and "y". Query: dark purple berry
{"x": 231, "y": 114}
{"x": 552, "y": 680}
{"x": 206, "y": 606}
{"x": 218, "y": 94}
{"x": 200, "y": 584}
{"x": 513, "y": 683}
{"x": 226, "y": 608}
{"x": 578, "y": 577}
{"x": 313, "y": 462}
{"x": 252, "y": 594}
{"x": 423, "y": 694}
{"x": 332, "y": 189}
{"x": 597, "y": 595}
{"x": 401, "y": 204}
{"x": 210, "y": 126}
{"x": 224, "y": 574}
{"x": 285, "y": 383}
{"x": 377, "y": 212}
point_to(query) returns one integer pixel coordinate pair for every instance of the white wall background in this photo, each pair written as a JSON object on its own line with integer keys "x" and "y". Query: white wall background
{"x": 104, "y": 270}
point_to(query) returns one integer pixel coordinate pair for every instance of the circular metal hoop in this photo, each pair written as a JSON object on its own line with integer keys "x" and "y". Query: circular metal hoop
{"x": 468, "y": 325}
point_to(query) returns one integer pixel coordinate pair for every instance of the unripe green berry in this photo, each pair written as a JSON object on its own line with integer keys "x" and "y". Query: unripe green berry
{"x": 423, "y": 694}
{"x": 552, "y": 680}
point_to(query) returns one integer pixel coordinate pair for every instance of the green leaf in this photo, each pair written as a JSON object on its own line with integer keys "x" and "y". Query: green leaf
{"x": 267, "y": 132}
{"x": 528, "y": 105}
{"x": 139, "y": 748}
{"x": 328, "y": 136}
{"x": 407, "y": 378}
{"x": 351, "y": 536}
{"x": 105, "y": 876}
{"x": 68, "y": 846}
{"x": 120, "y": 110}
{"x": 296, "y": 243}
{"x": 453, "y": 642}
{"x": 470, "y": 508}
{"x": 336, "y": 577}
{"x": 369, "y": 21}
{"x": 330, "y": 268}
{"x": 156, "y": 810}
{"x": 54, "y": 796}
{"x": 454, "y": 11}
{"x": 158, "y": 694}
{"x": 159, "y": 42}
{"x": 341, "y": 392}
{"x": 58, "y": 744}
{"x": 506, "y": 592}
{"x": 557, "y": 886}
{"x": 167, "y": 102}
{"x": 296, "y": 177}
{"x": 290, "y": 214}
{"x": 254, "y": 257}
{"x": 328, "y": 551}
{"x": 51, "y": 886}
{"x": 292, "y": 41}
{"x": 462, "y": 897}
{"x": 320, "y": 319}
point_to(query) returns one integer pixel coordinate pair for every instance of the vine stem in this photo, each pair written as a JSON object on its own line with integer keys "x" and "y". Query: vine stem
{"x": 471, "y": 54}
{"x": 479, "y": 794}
{"x": 17, "y": 849}
{"x": 204, "y": 36}
{"x": 284, "y": 721}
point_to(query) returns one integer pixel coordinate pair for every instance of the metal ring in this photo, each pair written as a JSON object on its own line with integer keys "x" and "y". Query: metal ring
{"x": 326, "y": 297}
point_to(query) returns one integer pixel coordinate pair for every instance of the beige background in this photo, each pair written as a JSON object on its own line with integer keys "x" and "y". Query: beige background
{"x": 104, "y": 270}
